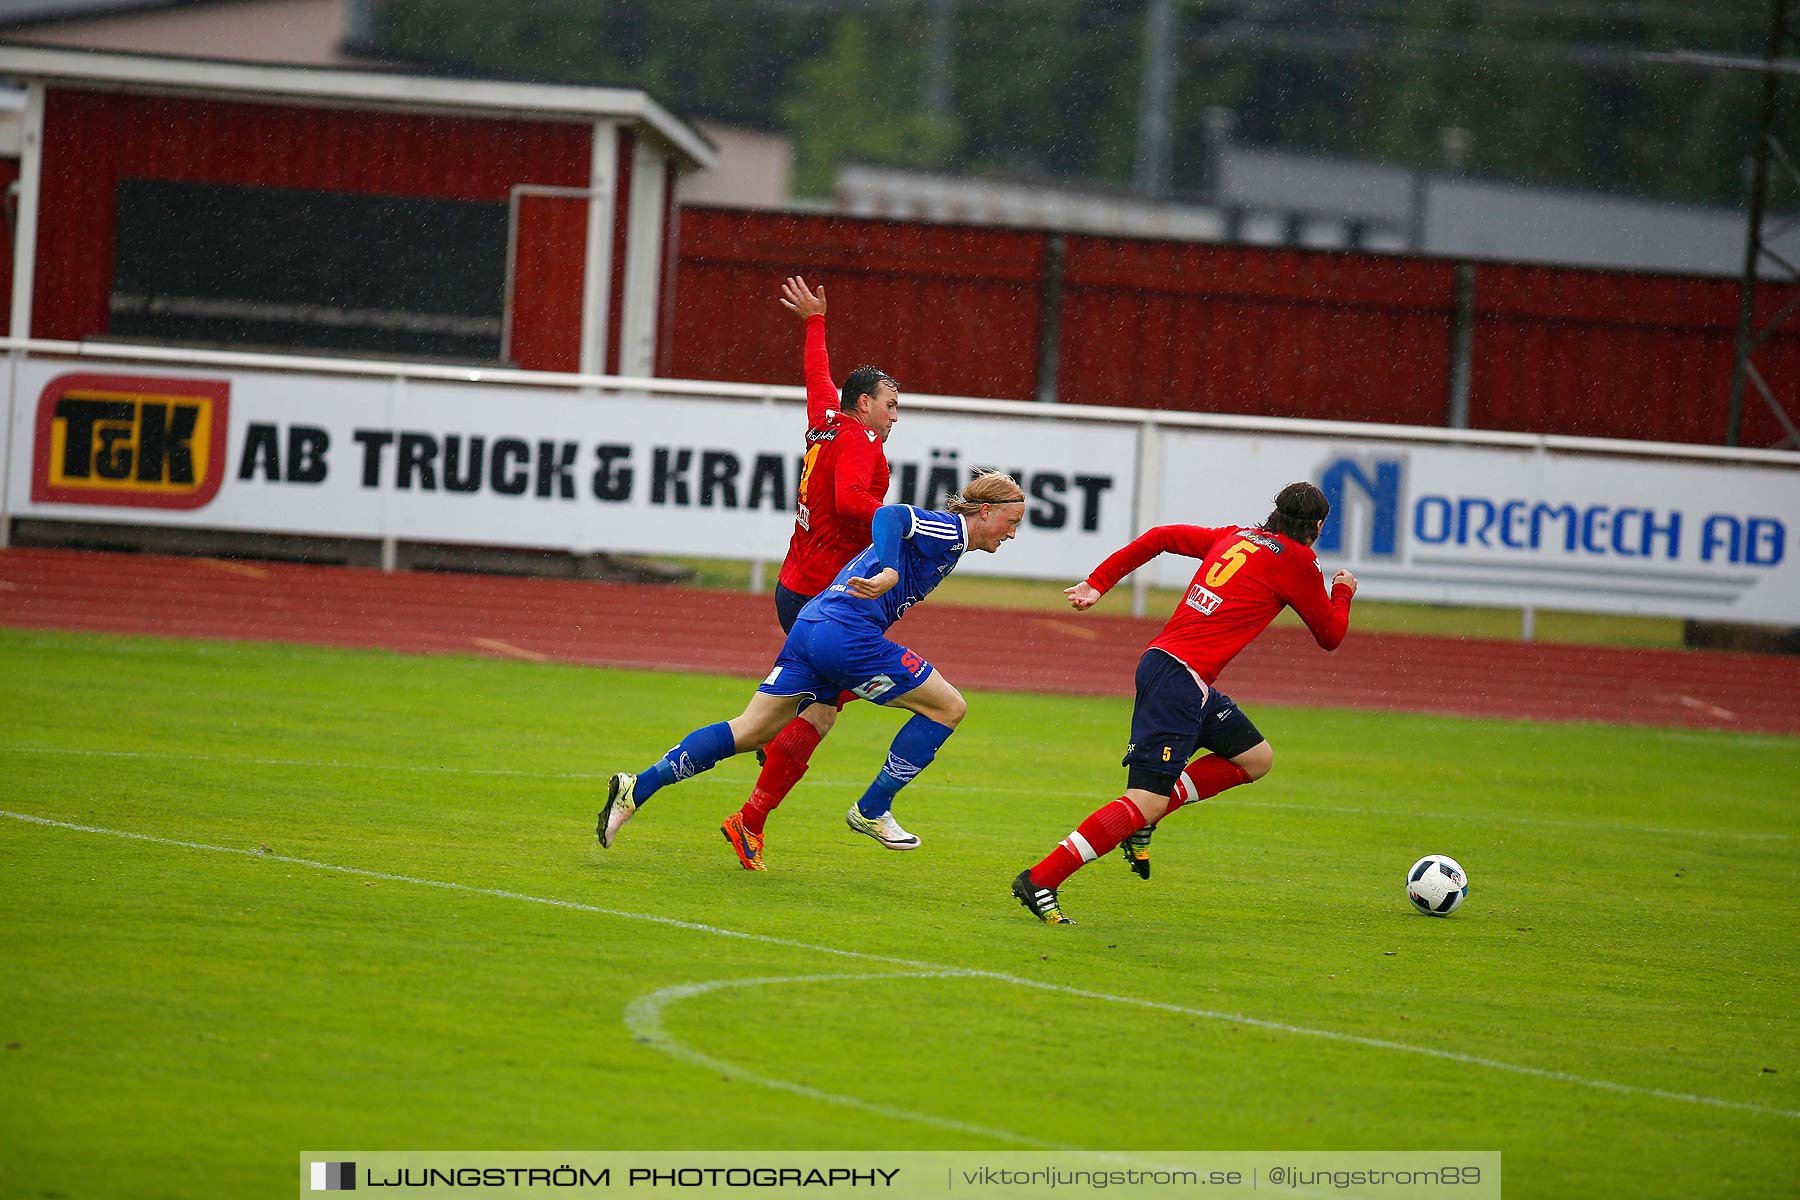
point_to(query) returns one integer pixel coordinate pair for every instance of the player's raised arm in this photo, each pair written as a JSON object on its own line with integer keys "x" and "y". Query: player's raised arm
{"x": 802, "y": 301}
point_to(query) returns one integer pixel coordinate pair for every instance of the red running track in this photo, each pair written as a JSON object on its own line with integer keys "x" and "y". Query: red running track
{"x": 632, "y": 625}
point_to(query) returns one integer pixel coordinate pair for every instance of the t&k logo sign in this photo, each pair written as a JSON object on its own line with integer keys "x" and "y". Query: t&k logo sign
{"x": 132, "y": 440}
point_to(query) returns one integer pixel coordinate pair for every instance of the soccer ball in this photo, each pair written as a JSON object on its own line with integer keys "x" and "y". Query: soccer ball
{"x": 1436, "y": 885}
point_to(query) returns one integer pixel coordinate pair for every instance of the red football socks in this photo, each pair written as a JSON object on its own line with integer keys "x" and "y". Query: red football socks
{"x": 788, "y": 756}
{"x": 1205, "y": 777}
{"x": 1100, "y": 834}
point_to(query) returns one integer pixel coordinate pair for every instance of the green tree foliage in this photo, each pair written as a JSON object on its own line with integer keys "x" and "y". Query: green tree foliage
{"x": 1567, "y": 93}
{"x": 1048, "y": 86}
{"x": 1564, "y": 92}
{"x": 714, "y": 58}
{"x": 843, "y": 105}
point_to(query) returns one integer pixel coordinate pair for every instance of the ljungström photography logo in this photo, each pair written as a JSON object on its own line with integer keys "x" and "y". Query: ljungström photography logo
{"x": 334, "y": 1177}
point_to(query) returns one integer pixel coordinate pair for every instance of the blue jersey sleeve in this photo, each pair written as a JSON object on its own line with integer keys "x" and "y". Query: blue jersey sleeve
{"x": 922, "y": 546}
{"x": 889, "y": 526}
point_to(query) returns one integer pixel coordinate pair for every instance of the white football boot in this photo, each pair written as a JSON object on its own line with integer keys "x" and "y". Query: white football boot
{"x": 620, "y": 804}
{"x": 883, "y": 829}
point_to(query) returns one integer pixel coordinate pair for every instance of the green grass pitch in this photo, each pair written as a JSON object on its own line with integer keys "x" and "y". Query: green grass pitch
{"x": 268, "y": 968}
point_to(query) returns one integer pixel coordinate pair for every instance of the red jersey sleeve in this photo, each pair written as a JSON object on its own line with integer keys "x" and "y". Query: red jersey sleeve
{"x": 821, "y": 393}
{"x": 1328, "y": 617}
{"x": 854, "y": 487}
{"x": 1194, "y": 541}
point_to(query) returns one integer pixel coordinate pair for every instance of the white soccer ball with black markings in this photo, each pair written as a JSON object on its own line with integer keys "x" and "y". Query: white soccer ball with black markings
{"x": 1436, "y": 885}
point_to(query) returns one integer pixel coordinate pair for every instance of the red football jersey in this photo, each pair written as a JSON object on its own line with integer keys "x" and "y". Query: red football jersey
{"x": 842, "y": 482}
{"x": 1246, "y": 576}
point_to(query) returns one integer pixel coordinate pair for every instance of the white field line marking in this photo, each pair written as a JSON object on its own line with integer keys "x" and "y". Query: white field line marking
{"x": 1723, "y": 738}
{"x": 643, "y": 1019}
{"x": 510, "y": 650}
{"x": 1511, "y": 819}
{"x": 1352, "y": 1039}
{"x": 318, "y": 764}
{"x": 1068, "y": 628}
{"x": 234, "y": 568}
{"x": 422, "y": 769}
{"x": 1707, "y": 707}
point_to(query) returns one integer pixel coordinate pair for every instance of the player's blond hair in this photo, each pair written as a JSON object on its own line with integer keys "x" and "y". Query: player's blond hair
{"x": 989, "y": 487}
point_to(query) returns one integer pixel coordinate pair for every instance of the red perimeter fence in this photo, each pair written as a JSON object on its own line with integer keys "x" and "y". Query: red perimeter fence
{"x": 964, "y": 310}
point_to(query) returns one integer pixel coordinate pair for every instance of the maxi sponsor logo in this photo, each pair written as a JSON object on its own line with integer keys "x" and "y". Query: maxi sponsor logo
{"x": 132, "y": 440}
{"x": 1560, "y": 543}
{"x": 675, "y": 476}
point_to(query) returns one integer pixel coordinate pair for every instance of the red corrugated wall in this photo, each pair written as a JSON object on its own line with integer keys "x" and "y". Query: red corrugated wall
{"x": 1237, "y": 329}
{"x": 548, "y": 260}
{"x": 1778, "y": 360}
{"x": 93, "y": 139}
{"x": 1626, "y": 355}
{"x": 944, "y": 309}
{"x": 1227, "y": 329}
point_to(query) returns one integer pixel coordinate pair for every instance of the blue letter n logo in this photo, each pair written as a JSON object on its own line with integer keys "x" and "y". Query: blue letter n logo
{"x": 1381, "y": 494}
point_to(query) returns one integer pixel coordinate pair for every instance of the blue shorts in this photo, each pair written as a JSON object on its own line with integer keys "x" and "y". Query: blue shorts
{"x": 1176, "y": 714}
{"x": 822, "y": 658}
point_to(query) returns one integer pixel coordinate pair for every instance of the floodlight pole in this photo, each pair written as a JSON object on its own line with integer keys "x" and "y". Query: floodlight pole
{"x": 1156, "y": 101}
{"x": 940, "y": 59}
{"x": 1748, "y": 337}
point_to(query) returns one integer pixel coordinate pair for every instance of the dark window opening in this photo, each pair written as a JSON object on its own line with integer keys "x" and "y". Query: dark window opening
{"x": 293, "y": 269}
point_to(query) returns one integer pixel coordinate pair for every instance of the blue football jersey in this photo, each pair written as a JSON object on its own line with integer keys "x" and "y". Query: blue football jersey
{"x": 929, "y": 547}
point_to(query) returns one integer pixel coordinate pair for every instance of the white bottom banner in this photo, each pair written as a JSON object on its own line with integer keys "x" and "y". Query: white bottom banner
{"x": 1021, "y": 1174}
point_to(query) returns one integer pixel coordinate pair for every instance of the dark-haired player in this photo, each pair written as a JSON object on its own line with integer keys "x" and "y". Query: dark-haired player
{"x": 842, "y": 481}
{"x": 1248, "y": 574}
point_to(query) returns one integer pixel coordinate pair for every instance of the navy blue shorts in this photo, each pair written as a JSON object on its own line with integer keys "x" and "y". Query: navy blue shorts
{"x": 788, "y": 604}
{"x": 822, "y": 658}
{"x": 1174, "y": 716}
